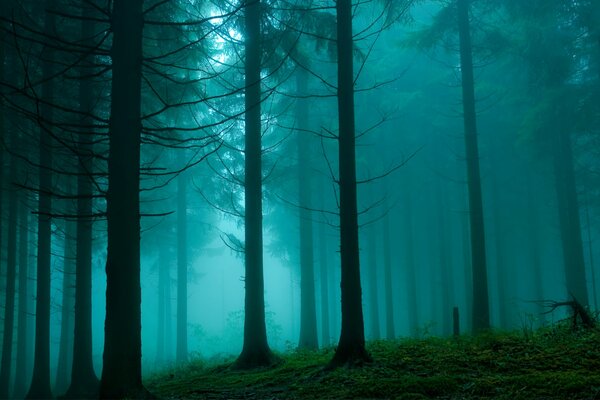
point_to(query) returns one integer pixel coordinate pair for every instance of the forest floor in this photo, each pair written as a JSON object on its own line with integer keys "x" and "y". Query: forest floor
{"x": 552, "y": 363}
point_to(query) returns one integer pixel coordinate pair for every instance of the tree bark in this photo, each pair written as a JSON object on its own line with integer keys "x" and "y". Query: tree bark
{"x": 255, "y": 350}
{"x": 481, "y": 313}
{"x": 351, "y": 346}
{"x": 40, "y": 383}
{"x": 122, "y": 370}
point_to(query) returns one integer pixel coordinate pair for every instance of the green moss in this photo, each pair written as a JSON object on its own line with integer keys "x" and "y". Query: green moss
{"x": 550, "y": 364}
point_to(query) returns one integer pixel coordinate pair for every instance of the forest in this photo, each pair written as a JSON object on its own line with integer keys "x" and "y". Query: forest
{"x": 288, "y": 199}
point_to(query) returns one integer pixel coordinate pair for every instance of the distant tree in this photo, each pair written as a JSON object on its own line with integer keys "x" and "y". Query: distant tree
{"x": 550, "y": 43}
{"x": 308, "y": 313}
{"x": 182, "y": 266}
{"x": 390, "y": 330}
{"x": 481, "y": 311}
{"x": 65, "y": 346}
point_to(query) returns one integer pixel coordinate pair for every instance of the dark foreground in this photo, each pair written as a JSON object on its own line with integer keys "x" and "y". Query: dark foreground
{"x": 553, "y": 363}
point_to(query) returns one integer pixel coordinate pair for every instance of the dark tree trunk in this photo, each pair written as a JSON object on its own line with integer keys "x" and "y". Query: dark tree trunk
{"x": 373, "y": 292}
{"x": 351, "y": 346}
{"x": 11, "y": 272}
{"x": 481, "y": 312}
{"x": 568, "y": 213}
{"x": 308, "y": 312}
{"x": 84, "y": 382}
{"x": 182, "y": 265}
{"x": 122, "y": 370}
{"x": 23, "y": 290}
{"x": 255, "y": 350}
{"x": 65, "y": 351}
{"x": 390, "y": 330}
{"x": 40, "y": 383}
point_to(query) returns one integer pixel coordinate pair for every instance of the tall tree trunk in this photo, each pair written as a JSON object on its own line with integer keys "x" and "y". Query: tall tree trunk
{"x": 502, "y": 265}
{"x": 21, "y": 369}
{"x": 411, "y": 277}
{"x": 373, "y": 292}
{"x": 65, "y": 351}
{"x": 182, "y": 265}
{"x": 84, "y": 382}
{"x": 122, "y": 369}
{"x": 481, "y": 312}
{"x": 324, "y": 272}
{"x": 40, "y": 383}
{"x": 308, "y": 311}
{"x": 160, "y": 322}
{"x": 11, "y": 271}
{"x": 568, "y": 213}
{"x": 351, "y": 346}
{"x": 255, "y": 350}
{"x": 445, "y": 263}
{"x": 533, "y": 233}
{"x": 390, "y": 329}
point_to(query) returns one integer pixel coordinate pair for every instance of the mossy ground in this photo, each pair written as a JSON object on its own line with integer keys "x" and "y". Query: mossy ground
{"x": 554, "y": 363}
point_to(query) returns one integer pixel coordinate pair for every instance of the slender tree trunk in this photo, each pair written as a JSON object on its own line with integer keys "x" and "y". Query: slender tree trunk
{"x": 445, "y": 257}
{"x": 481, "y": 312}
{"x": 411, "y": 277}
{"x": 40, "y": 383}
{"x": 373, "y": 292}
{"x": 122, "y": 369}
{"x": 390, "y": 329}
{"x": 255, "y": 350}
{"x": 323, "y": 266}
{"x": 533, "y": 233}
{"x": 84, "y": 382}
{"x": 501, "y": 264}
{"x": 591, "y": 249}
{"x": 168, "y": 313}
{"x": 20, "y": 386}
{"x": 160, "y": 323}
{"x": 308, "y": 310}
{"x": 351, "y": 346}
{"x": 182, "y": 265}
{"x": 11, "y": 269}
{"x": 568, "y": 213}
{"x": 65, "y": 352}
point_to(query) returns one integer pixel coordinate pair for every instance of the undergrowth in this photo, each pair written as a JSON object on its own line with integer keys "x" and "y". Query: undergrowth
{"x": 551, "y": 363}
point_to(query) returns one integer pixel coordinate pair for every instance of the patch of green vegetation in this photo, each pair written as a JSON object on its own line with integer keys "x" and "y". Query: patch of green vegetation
{"x": 552, "y": 363}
